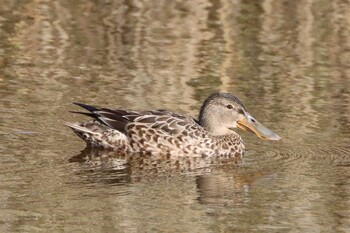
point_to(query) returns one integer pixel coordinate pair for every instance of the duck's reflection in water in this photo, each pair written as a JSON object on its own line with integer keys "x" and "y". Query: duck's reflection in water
{"x": 134, "y": 164}
{"x": 224, "y": 188}
{"x": 217, "y": 181}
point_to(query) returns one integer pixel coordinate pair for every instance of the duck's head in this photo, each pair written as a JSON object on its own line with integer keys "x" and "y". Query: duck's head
{"x": 223, "y": 112}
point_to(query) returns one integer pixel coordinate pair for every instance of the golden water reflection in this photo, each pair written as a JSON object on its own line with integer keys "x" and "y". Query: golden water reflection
{"x": 287, "y": 60}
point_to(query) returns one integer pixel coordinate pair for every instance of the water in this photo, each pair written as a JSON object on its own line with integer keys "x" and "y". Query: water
{"x": 287, "y": 60}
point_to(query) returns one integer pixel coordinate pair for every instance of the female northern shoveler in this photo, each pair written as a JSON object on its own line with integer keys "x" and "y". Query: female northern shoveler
{"x": 162, "y": 132}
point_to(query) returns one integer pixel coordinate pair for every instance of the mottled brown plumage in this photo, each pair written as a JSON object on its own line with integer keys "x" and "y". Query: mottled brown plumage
{"x": 162, "y": 132}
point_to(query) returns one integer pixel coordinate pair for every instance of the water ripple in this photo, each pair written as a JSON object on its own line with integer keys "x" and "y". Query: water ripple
{"x": 334, "y": 155}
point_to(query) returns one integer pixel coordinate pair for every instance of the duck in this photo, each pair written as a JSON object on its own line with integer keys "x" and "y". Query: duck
{"x": 163, "y": 132}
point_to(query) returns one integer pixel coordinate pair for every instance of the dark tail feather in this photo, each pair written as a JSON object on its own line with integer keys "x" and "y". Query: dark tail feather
{"x": 92, "y": 111}
{"x": 114, "y": 119}
{"x": 87, "y": 107}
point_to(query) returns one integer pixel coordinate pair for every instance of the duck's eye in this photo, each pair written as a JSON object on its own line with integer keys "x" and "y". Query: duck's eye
{"x": 229, "y": 106}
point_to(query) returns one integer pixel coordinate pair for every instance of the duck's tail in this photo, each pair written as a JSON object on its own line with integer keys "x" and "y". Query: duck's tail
{"x": 96, "y": 134}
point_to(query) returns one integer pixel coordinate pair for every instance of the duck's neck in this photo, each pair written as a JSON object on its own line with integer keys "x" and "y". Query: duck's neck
{"x": 215, "y": 129}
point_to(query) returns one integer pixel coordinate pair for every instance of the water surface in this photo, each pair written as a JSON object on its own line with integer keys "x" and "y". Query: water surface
{"x": 287, "y": 60}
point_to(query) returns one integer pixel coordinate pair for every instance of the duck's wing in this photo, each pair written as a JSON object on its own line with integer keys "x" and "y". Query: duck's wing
{"x": 125, "y": 121}
{"x": 165, "y": 122}
{"x": 115, "y": 119}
